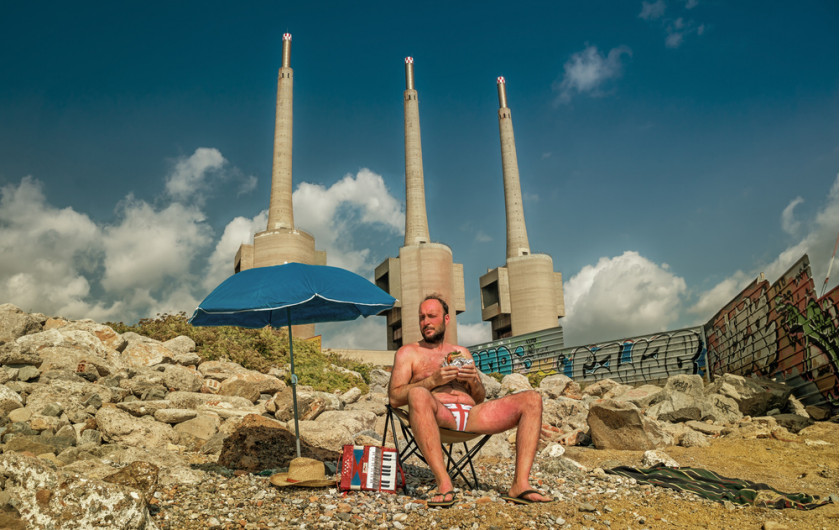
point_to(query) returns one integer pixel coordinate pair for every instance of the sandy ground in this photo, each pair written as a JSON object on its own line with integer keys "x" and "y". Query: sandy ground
{"x": 789, "y": 465}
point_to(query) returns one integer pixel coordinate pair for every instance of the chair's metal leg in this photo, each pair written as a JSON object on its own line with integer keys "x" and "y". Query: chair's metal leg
{"x": 390, "y": 419}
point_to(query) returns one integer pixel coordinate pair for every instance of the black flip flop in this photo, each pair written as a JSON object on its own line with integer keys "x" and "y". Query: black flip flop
{"x": 444, "y": 503}
{"x": 521, "y": 499}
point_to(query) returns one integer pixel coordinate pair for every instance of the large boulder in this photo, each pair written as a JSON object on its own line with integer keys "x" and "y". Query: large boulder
{"x": 260, "y": 443}
{"x": 334, "y": 429}
{"x": 682, "y": 399}
{"x": 143, "y": 351}
{"x": 621, "y": 425}
{"x": 122, "y": 428}
{"x": 220, "y": 370}
{"x": 754, "y": 396}
{"x": 105, "y": 334}
{"x": 513, "y": 383}
{"x": 250, "y": 385}
{"x": 77, "y": 351}
{"x": 15, "y": 323}
{"x": 177, "y": 377}
{"x": 42, "y": 497}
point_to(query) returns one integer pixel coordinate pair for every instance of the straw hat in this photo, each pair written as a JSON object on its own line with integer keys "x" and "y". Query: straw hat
{"x": 304, "y": 472}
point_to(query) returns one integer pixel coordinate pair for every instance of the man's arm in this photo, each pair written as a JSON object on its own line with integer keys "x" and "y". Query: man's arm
{"x": 401, "y": 374}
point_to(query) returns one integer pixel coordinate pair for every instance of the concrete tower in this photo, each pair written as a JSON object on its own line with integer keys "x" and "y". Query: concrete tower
{"x": 526, "y": 295}
{"x": 423, "y": 267}
{"x": 281, "y": 242}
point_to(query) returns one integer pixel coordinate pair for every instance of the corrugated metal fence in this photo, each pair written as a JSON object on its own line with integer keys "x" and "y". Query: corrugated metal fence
{"x": 646, "y": 358}
{"x": 781, "y": 331}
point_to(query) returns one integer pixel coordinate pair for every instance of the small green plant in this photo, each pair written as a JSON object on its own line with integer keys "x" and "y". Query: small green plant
{"x": 257, "y": 349}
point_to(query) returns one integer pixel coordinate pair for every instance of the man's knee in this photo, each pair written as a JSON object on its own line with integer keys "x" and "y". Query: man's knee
{"x": 531, "y": 400}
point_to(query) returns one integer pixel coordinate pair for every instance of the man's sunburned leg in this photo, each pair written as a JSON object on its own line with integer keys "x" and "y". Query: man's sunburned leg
{"x": 425, "y": 415}
{"x": 522, "y": 410}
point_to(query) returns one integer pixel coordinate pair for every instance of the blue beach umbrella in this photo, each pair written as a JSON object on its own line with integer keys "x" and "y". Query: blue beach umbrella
{"x": 290, "y": 294}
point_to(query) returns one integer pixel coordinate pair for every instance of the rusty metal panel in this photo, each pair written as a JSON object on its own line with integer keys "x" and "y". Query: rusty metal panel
{"x": 780, "y": 331}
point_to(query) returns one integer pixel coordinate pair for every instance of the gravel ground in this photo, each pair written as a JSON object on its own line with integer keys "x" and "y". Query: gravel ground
{"x": 585, "y": 499}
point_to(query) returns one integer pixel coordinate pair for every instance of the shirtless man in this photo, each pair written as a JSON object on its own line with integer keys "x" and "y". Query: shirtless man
{"x": 453, "y": 397}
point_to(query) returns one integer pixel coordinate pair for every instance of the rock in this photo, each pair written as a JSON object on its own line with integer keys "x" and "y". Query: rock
{"x": 554, "y": 385}
{"x": 140, "y": 476}
{"x": 21, "y": 414}
{"x": 143, "y": 352}
{"x": 9, "y": 400}
{"x": 14, "y": 323}
{"x": 379, "y": 380}
{"x": 106, "y": 334}
{"x": 181, "y": 345}
{"x": 260, "y": 443}
{"x": 202, "y": 427}
{"x": 600, "y": 388}
{"x": 351, "y": 396}
{"x": 720, "y": 409}
{"x": 753, "y": 396}
{"x": 817, "y": 413}
{"x": 121, "y": 427}
{"x": 376, "y": 403}
{"x": 704, "y": 427}
{"x": 177, "y": 377}
{"x": 27, "y": 373}
{"x": 652, "y": 458}
{"x": 693, "y": 438}
{"x": 46, "y": 498}
{"x": 640, "y": 396}
{"x": 492, "y": 388}
{"x": 796, "y": 407}
{"x": 513, "y": 383}
{"x": 566, "y": 413}
{"x": 681, "y": 399}
{"x": 553, "y": 450}
{"x": 73, "y": 350}
{"x": 250, "y": 385}
{"x": 173, "y": 416}
{"x": 793, "y": 422}
{"x": 220, "y": 370}
{"x": 621, "y": 425}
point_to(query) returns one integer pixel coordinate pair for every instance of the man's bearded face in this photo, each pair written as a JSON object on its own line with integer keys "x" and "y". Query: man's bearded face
{"x": 432, "y": 321}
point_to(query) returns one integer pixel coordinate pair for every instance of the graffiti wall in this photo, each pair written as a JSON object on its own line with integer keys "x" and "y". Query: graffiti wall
{"x": 783, "y": 331}
{"x": 648, "y": 358}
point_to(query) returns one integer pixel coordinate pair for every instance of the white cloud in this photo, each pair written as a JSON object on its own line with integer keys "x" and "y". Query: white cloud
{"x": 482, "y": 237}
{"x": 652, "y": 10}
{"x": 45, "y": 252}
{"x": 334, "y": 214}
{"x": 240, "y": 230}
{"x": 150, "y": 247}
{"x": 620, "y": 297}
{"x": 586, "y": 71}
{"x": 188, "y": 177}
{"x": 818, "y": 243}
{"x": 789, "y": 223}
{"x": 677, "y": 28}
{"x": 360, "y": 334}
{"x": 471, "y": 334}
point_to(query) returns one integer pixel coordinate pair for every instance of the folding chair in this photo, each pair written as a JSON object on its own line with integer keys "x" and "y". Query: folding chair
{"x": 448, "y": 439}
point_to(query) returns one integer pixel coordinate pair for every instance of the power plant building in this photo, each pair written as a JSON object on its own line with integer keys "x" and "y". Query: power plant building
{"x": 525, "y": 295}
{"x": 281, "y": 242}
{"x": 423, "y": 267}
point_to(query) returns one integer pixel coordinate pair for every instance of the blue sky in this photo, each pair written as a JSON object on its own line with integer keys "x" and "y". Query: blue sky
{"x": 668, "y": 151}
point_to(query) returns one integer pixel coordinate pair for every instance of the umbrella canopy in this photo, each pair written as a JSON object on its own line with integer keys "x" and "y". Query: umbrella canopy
{"x": 293, "y": 293}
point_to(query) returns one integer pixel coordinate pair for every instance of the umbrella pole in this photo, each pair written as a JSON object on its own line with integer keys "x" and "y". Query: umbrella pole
{"x": 294, "y": 383}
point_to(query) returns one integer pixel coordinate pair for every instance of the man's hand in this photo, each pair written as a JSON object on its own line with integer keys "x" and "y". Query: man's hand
{"x": 444, "y": 375}
{"x": 467, "y": 373}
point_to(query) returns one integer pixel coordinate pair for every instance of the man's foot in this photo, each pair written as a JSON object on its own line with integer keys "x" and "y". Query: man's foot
{"x": 443, "y": 500}
{"x": 527, "y": 497}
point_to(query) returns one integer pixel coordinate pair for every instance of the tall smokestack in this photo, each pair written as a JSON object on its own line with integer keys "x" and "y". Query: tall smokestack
{"x": 517, "y": 236}
{"x": 416, "y": 224}
{"x": 280, "y": 213}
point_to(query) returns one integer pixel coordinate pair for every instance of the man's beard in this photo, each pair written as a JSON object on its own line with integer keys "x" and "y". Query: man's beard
{"x": 437, "y": 338}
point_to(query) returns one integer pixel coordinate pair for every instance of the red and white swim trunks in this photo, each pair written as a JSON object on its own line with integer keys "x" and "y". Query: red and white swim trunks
{"x": 461, "y": 412}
